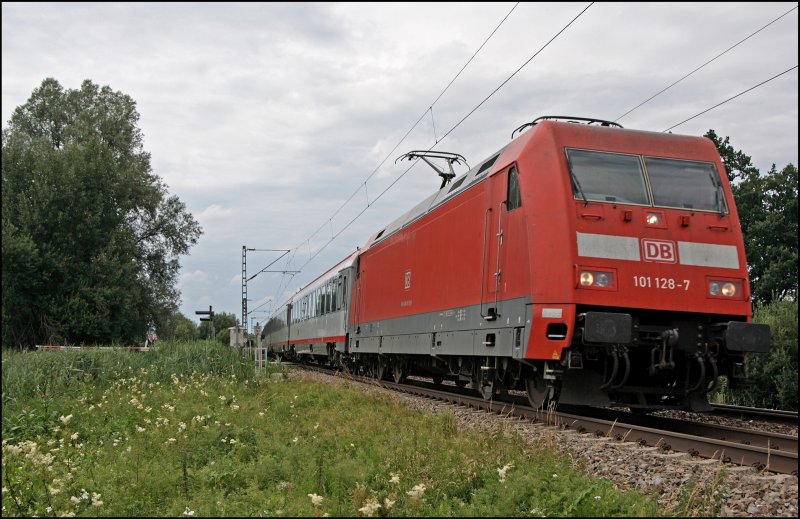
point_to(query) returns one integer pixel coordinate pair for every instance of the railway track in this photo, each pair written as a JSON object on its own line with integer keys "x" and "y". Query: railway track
{"x": 755, "y": 413}
{"x": 766, "y": 451}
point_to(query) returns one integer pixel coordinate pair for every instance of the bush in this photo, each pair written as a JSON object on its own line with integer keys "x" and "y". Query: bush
{"x": 774, "y": 373}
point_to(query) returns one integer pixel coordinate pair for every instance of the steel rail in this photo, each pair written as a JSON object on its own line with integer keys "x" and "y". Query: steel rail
{"x": 772, "y": 415}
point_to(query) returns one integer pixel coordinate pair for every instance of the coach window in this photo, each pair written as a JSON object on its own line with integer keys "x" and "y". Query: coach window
{"x": 513, "y": 196}
{"x": 328, "y": 297}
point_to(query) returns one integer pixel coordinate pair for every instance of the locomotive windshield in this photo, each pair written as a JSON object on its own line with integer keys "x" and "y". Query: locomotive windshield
{"x": 619, "y": 178}
{"x": 685, "y": 183}
{"x": 607, "y": 177}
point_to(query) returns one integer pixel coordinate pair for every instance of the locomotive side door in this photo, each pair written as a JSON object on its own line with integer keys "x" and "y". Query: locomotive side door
{"x": 503, "y": 190}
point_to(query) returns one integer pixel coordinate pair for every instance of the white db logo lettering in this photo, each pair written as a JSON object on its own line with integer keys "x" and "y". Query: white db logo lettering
{"x": 659, "y": 250}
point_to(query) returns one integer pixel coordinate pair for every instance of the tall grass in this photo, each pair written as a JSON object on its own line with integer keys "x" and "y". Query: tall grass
{"x": 132, "y": 435}
{"x": 32, "y": 374}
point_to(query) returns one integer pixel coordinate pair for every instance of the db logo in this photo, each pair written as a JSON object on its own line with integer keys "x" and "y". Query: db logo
{"x": 407, "y": 281}
{"x": 659, "y": 250}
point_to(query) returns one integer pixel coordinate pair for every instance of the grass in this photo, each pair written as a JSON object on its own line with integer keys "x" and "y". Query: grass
{"x": 189, "y": 429}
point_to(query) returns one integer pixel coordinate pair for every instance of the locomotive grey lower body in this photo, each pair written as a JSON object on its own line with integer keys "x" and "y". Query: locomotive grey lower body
{"x": 617, "y": 357}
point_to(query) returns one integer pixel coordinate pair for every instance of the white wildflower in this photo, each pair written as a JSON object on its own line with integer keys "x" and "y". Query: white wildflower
{"x": 315, "y": 499}
{"x": 370, "y": 508}
{"x": 188, "y": 512}
{"x": 65, "y": 419}
{"x": 502, "y": 472}
{"x": 417, "y": 491}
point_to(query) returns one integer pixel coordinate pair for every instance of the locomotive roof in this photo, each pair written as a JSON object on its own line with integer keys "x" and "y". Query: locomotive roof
{"x": 458, "y": 185}
{"x": 484, "y": 168}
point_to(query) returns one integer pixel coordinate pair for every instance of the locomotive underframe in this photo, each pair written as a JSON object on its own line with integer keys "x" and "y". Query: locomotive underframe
{"x": 639, "y": 359}
{"x": 653, "y": 360}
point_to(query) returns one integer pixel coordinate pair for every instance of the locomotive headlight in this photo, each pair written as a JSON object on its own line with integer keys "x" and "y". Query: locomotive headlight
{"x": 724, "y": 288}
{"x": 602, "y": 279}
{"x": 655, "y": 219}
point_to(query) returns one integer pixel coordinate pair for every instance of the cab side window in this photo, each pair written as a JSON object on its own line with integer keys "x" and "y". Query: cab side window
{"x": 513, "y": 196}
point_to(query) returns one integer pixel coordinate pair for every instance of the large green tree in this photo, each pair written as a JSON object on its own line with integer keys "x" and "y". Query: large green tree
{"x": 767, "y": 206}
{"x": 91, "y": 237}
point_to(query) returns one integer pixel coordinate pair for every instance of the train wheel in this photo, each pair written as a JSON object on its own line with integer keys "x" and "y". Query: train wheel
{"x": 486, "y": 390}
{"x": 398, "y": 371}
{"x": 382, "y": 368}
{"x": 539, "y": 394}
{"x": 460, "y": 384}
{"x": 488, "y": 387}
{"x": 437, "y": 379}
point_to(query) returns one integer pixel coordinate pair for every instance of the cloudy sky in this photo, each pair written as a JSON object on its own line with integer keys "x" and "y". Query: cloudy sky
{"x": 277, "y": 124}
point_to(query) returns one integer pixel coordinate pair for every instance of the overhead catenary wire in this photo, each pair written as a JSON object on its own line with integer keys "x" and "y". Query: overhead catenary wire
{"x": 421, "y": 117}
{"x": 704, "y": 64}
{"x": 731, "y": 98}
{"x": 449, "y": 132}
{"x": 388, "y": 155}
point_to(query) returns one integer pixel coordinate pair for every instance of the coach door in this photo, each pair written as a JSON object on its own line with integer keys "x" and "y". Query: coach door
{"x": 288, "y": 324}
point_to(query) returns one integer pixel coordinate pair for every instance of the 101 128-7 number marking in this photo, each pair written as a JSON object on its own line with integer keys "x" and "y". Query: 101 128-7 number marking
{"x": 661, "y": 283}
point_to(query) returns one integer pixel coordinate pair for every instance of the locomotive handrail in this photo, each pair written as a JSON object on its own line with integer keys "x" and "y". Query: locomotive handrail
{"x": 588, "y": 120}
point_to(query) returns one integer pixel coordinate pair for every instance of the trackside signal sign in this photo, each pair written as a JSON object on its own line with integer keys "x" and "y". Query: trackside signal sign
{"x": 208, "y": 313}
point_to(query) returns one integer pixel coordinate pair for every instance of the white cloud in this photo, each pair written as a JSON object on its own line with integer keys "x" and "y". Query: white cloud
{"x": 264, "y": 118}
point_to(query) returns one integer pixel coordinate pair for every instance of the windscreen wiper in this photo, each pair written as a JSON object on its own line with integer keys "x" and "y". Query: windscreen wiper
{"x": 575, "y": 183}
{"x": 719, "y": 196}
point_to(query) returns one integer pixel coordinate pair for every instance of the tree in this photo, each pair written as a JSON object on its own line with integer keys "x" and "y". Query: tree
{"x": 222, "y": 321}
{"x": 767, "y": 207}
{"x": 91, "y": 237}
{"x": 185, "y": 329}
{"x": 774, "y": 374}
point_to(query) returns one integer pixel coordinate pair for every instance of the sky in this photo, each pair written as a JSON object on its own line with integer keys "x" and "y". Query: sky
{"x": 278, "y": 124}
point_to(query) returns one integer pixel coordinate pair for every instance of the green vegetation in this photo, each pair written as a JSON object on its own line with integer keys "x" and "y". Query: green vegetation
{"x": 189, "y": 429}
{"x": 774, "y": 374}
{"x": 91, "y": 237}
{"x": 767, "y": 207}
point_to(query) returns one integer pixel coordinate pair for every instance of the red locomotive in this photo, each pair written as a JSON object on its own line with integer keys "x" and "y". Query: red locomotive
{"x": 583, "y": 262}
